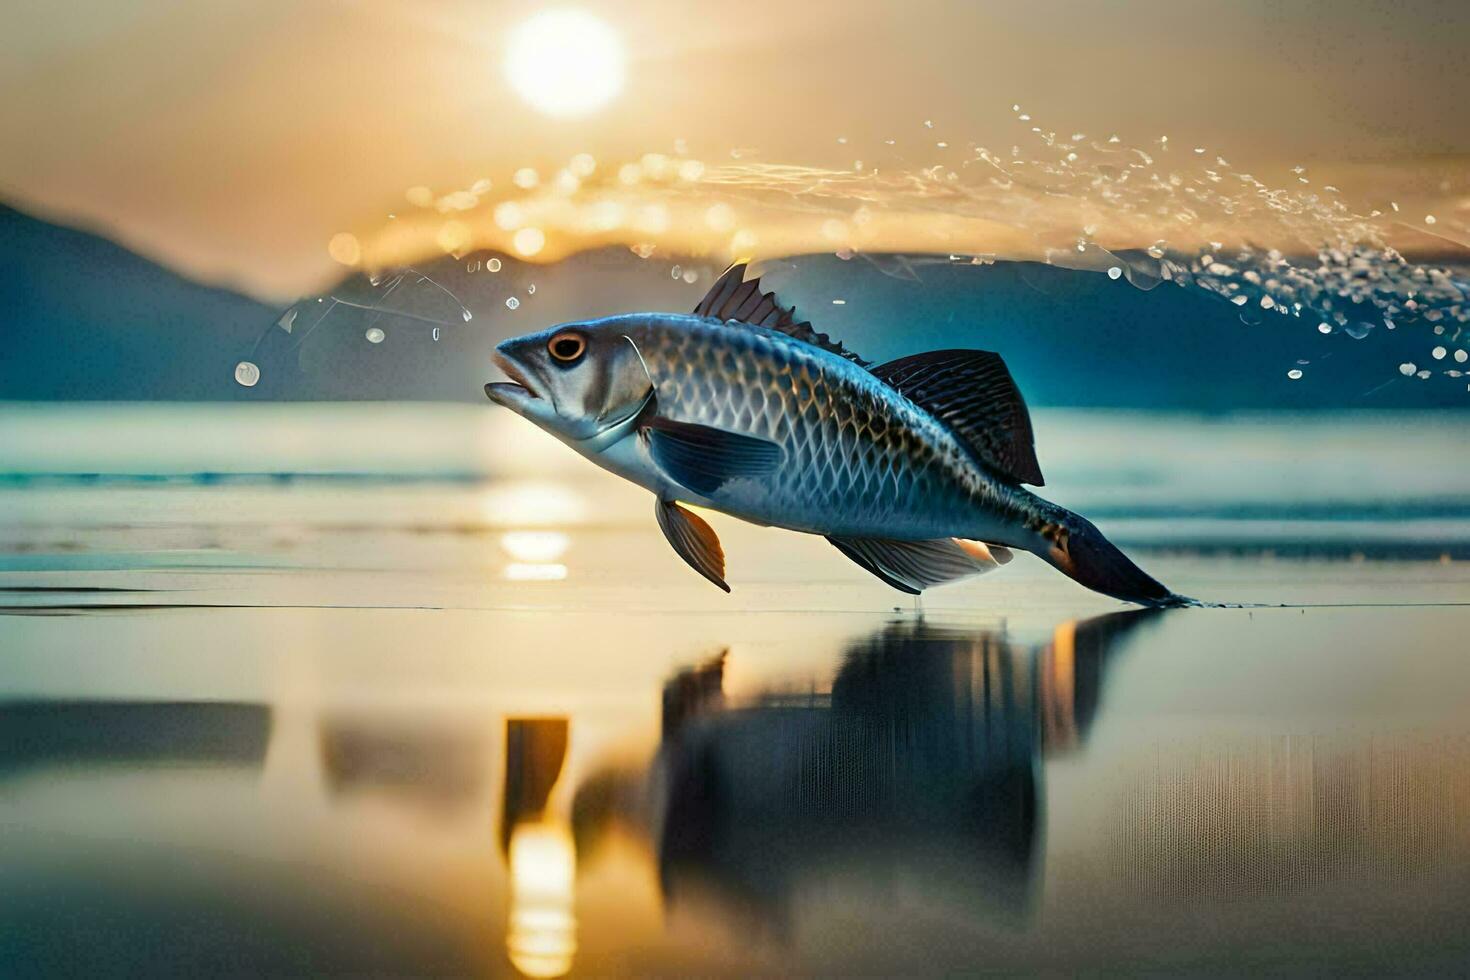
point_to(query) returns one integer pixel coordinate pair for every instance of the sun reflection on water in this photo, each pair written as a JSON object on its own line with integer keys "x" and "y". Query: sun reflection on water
{"x": 532, "y": 503}
{"x": 527, "y": 571}
{"x": 535, "y": 554}
{"x": 542, "y": 935}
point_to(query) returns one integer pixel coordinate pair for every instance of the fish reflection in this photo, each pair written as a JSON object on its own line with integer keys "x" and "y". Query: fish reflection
{"x": 920, "y": 768}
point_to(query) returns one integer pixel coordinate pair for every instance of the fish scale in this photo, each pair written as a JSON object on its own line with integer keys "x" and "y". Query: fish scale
{"x": 855, "y": 450}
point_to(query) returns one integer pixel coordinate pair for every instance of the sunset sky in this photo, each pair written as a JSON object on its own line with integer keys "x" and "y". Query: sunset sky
{"x": 234, "y": 139}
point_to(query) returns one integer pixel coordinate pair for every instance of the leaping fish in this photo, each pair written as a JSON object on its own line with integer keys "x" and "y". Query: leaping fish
{"x": 913, "y": 469}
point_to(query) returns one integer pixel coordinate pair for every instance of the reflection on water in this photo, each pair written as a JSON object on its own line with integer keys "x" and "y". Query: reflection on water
{"x": 39, "y": 734}
{"x": 541, "y": 936}
{"x": 1281, "y": 816}
{"x": 439, "y": 768}
{"x": 536, "y": 555}
{"x": 920, "y": 768}
{"x": 1128, "y": 790}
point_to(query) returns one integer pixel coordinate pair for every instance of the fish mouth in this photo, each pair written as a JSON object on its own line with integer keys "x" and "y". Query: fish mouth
{"x": 517, "y": 390}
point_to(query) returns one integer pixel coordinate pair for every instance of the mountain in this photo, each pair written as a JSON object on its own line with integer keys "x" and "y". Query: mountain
{"x": 84, "y": 318}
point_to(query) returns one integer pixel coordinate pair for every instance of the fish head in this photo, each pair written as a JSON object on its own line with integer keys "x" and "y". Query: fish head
{"x": 577, "y": 380}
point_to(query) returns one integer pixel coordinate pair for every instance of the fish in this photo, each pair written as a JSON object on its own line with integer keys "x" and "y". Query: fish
{"x": 915, "y": 469}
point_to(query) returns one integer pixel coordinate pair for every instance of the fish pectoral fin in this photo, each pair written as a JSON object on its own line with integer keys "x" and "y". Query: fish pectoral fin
{"x": 704, "y": 458}
{"x": 694, "y": 540}
{"x": 913, "y": 566}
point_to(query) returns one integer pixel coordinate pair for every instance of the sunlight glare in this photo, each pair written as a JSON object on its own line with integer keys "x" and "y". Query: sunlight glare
{"x": 565, "y": 62}
{"x": 542, "y": 934}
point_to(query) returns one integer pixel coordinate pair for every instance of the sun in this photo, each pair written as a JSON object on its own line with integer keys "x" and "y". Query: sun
{"x": 565, "y": 62}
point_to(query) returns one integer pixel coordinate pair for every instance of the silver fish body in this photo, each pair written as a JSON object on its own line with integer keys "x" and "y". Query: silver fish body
{"x": 858, "y": 458}
{"x": 912, "y": 469}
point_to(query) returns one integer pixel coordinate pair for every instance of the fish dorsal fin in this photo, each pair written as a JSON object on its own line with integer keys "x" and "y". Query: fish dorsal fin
{"x": 733, "y": 298}
{"x": 972, "y": 393}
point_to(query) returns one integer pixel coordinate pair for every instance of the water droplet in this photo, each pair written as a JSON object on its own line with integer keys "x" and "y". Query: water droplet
{"x": 1461, "y": 356}
{"x": 512, "y": 303}
{"x": 1438, "y": 353}
{"x": 839, "y": 302}
{"x": 676, "y": 272}
{"x": 1429, "y": 219}
{"x": 583, "y": 164}
{"x": 436, "y": 334}
{"x": 246, "y": 374}
{"x": 493, "y": 265}
{"x": 1408, "y": 368}
{"x": 1324, "y": 328}
{"x": 468, "y": 316}
{"x": 1240, "y": 300}
{"x": 1423, "y": 375}
{"x": 1358, "y": 330}
{"x": 1115, "y": 272}
{"x": 531, "y": 289}
{"x": 375, "y": 335}
{"x": 1294, "y": 374}
{"x": 529, "y": 241}
{"x": 690, "y": 276}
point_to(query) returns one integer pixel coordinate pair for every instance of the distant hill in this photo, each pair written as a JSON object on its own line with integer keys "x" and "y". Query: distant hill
{"x": 83, "y": 318}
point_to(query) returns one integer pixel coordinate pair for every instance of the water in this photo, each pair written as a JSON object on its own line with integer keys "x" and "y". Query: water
{"x": 330, "y": 709}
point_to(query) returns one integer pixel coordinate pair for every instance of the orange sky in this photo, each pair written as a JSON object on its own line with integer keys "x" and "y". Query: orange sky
{"x": 233, "y": 139}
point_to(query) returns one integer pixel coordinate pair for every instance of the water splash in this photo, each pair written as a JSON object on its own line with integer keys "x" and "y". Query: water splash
{"x": 1149, "y": 215}
{"x": 247, "y": 373}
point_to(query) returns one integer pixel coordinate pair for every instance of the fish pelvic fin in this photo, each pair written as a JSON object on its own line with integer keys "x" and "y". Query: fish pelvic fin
{"x": 694, "y": 540}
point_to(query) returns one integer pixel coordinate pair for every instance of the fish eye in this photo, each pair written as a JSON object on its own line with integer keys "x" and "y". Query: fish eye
{"x": 567, "y": 346}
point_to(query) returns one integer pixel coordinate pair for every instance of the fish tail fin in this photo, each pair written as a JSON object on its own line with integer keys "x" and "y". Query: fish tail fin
{"x": 1073, "y": 546}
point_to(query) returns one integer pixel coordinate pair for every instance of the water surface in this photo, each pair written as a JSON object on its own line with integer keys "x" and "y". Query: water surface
{"x": 299, "y": 724}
